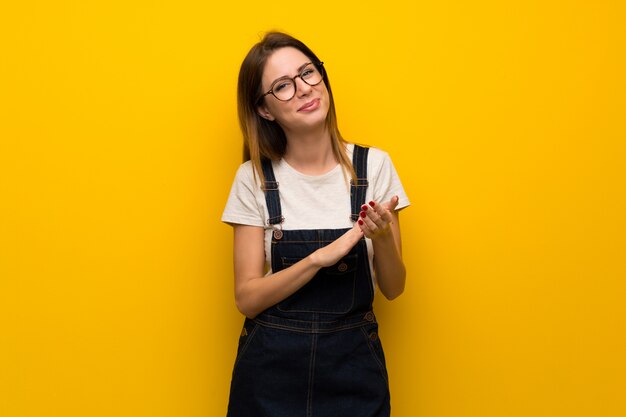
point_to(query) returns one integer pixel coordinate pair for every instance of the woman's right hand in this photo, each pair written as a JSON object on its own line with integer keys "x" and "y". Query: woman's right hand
{"x": 333, "y": 252}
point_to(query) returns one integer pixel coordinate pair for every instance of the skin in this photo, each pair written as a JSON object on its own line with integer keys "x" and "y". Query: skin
{"x": 309, "y": 151}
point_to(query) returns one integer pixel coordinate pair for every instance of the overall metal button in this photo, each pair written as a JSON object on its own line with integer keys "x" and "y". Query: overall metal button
{"x": 369, "y": 316}
{"x": 278, "y": 234}
{"x": 343, "y": 267}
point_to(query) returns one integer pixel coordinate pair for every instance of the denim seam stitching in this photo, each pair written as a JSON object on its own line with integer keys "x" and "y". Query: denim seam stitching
{"x": 355, "y": 316}
{"x": 244, "y": 348}
{"x": 373, "y": 352}
{"x": 311, "y": 376}
{"x": 311, "y": 330}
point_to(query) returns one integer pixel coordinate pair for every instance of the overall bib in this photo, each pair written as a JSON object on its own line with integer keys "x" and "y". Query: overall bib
{"x": 316, "y": 353}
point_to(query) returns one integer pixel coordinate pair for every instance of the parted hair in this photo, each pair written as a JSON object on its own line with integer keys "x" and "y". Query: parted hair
{"x": 265, "y": 139}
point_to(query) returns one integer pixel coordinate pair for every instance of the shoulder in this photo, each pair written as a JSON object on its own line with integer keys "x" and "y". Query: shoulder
{"x": 245, "y": 169}
{"x": 246, "y": 174}
{"x": 246, "y": 182}
{"x": 244, "y": 204}
{"x": 376, "y": 157}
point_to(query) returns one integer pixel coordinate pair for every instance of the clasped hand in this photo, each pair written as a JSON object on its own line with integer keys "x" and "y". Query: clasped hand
{"x": 374, "y": 219}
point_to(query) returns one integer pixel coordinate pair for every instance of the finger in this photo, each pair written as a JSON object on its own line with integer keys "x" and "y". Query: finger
{"x": 382, "y": 212}
{"x": 372, "y": 212}
{"x": 382, "y": 216}
{"x": 367, "y": 220}
{"x": 363, "y": 227}
{"x": 392, "y": 203}
{"x": 378, "y": 219}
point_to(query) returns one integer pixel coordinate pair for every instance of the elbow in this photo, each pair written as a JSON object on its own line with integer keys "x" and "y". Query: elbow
{"x": 392, "y": 295}
{"x": 391, "y": 292}
{"x": 246, "y": 311}
{"x": 245, "y": 307}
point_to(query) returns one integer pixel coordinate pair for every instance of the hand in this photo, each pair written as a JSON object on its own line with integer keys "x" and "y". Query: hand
{"x": 333, "y": 252}
{"x": 375, "y": 218}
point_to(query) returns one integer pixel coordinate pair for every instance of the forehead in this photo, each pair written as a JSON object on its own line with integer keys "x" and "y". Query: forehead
{"x": 284, "y": 61}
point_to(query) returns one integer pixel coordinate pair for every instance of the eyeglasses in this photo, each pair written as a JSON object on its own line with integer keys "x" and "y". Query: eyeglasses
{"x": 284, "y": 88}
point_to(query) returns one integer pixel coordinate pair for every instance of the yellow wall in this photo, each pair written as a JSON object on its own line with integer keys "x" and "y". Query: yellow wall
{"x": 119, "y": 141}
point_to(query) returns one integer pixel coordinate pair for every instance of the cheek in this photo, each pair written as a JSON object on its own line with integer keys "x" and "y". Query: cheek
{"x": 326, "y": 95}
{"x": 276, "y": 108}
{"x": 327, "y": 101}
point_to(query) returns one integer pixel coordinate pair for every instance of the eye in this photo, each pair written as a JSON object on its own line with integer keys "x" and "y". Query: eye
{"x": 307, "y": 72}
{"x": 281, "y": 85}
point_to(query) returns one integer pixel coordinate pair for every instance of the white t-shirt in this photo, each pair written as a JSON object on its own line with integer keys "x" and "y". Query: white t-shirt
{"x": 310, "y": 201}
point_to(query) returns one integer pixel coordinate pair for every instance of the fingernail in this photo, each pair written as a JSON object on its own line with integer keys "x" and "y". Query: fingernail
{"x": 372, "y": 203}
{"x": 364, "y": 207}
{"x": 363, "y": 214}
{"x": 360, "y": 221}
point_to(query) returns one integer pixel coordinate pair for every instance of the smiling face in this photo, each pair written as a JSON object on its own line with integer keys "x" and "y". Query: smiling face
{"x": 309, "y": 106}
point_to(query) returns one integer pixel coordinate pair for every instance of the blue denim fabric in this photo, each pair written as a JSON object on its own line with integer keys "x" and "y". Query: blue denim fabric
{"x": 316, "y": 353}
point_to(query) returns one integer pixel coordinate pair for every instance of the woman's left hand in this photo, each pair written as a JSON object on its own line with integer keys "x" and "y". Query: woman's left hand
{"x": 375, "y": 218}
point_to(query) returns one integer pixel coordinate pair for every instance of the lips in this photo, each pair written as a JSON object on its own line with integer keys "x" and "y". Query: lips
{"x": 311, "y": 105}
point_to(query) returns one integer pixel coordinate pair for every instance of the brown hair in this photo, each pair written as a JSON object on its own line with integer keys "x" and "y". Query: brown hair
{"x": 263, "y": 138}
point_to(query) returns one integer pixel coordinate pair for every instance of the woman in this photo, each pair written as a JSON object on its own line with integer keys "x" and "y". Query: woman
{"x": 309, "y": 212}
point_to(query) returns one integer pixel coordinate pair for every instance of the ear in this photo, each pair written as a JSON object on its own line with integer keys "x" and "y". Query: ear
{"x": 264, "y": 113}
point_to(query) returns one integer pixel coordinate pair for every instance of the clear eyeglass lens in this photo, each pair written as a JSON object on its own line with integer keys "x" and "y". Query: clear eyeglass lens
{"x": 286, "y": 89}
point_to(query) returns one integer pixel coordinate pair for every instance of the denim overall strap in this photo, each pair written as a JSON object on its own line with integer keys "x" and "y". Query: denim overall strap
{"x": 358, "y": 189}
{"x": 270, "y": 188}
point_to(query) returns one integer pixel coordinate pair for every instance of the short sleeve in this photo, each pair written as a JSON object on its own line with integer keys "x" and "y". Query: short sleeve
{"x": 385, "y": 180}
{"x": 242, "y": 206}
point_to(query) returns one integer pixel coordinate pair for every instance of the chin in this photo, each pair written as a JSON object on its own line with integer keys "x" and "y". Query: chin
{"x": 314, "y": 122}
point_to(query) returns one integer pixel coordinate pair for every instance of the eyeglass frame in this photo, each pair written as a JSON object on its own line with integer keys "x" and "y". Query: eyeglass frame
{"x": 319, "y": 66}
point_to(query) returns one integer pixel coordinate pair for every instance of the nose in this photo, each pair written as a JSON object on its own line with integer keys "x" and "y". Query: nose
{"x": 302, "y": 88}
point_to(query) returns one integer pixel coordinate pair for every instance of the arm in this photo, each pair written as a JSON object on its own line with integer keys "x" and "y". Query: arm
{"x": 255, "y": 292}
{"x": 381, "y": 224}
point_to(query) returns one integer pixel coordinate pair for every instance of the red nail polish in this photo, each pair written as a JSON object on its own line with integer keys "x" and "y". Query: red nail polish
{"x": 360, "y": 221}
{"x": 372, "y": 203}
{"x": 363, "y": 214}
{"x": 364, "y": 207}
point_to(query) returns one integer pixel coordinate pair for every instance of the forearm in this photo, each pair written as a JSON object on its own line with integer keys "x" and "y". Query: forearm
{"x": 254, "y": 292}
{"x": 260, "y": 293}
{"x": 381, "y": 223}
{"x": 388, "y": 265}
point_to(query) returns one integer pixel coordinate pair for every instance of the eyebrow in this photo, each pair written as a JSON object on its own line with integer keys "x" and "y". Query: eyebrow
{"x": 299, "y": 70}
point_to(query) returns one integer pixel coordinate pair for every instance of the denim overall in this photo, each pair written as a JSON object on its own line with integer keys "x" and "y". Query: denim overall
{"x": 316, "y": 353}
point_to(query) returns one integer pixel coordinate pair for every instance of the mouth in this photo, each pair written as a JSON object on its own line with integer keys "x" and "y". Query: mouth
{"x": 311, "y": 105}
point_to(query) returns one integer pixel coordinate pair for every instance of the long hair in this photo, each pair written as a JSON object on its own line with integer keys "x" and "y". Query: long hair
{"x": 264, "y": 139}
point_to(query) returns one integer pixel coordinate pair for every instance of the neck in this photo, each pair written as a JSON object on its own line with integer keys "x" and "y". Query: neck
{"x": 310, "y": 152}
